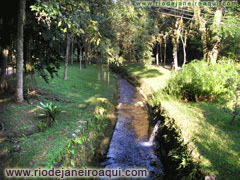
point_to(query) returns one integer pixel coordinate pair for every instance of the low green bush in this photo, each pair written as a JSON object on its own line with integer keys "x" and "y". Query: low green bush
{"x": 200, "y": 81}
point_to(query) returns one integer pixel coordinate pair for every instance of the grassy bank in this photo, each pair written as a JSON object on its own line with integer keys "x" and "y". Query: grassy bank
{"x": 86, "y": 98}
{"x": 205, "y": 127}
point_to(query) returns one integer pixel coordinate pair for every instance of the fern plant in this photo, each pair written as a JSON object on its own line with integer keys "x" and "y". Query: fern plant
{"x": 50, "y": 111}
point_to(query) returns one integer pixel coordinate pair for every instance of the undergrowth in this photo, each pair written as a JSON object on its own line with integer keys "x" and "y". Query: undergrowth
{"x": 201, "y": 81}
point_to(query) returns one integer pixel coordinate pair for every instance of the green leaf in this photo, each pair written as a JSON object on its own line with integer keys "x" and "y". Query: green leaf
{"x": 59, "y": 23}
{"x": 72, "y": 162}
{"x": 98, "y": 41}
{"x": 65, "y": 30}
{"x": 81, "y": 30}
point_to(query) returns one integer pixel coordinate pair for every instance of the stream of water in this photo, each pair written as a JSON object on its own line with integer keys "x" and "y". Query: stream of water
{"x": 131, "y": 146}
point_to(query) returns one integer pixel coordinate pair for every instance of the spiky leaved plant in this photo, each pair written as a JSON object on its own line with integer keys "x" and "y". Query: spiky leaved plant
{"x": 50, "y": 111}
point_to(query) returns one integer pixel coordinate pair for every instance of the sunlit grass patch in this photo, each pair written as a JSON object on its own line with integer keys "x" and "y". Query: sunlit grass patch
{"x": 153, "y": 75}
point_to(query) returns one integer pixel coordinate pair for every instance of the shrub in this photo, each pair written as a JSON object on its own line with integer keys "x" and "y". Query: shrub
{"x": 200, "y": 81}
{"x": 50, "y": 111}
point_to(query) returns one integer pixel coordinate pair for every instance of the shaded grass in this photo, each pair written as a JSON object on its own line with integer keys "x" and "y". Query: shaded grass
{"x": 205, "y": 127}
{"x": 14, "y": 124}
{"x": 79, "y": 97}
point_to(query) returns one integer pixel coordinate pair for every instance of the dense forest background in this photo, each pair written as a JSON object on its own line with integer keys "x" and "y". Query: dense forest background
{"x": 36, "y": 36}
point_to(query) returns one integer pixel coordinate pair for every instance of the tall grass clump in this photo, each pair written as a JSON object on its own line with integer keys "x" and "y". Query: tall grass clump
{"x": 201, "y": 81}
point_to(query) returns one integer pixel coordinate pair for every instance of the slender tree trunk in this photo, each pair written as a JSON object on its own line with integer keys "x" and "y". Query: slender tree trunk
{"x": 20, "y": 34}
{"x": 175, "y": 49}
{"x": 175, "y": 45}
{"x": 81, "y": 53}
{"x": 108, "y": 77}
{"x": 184, "y": 43}
{"x": 216, "y": 48}
{"x": 218, "y": 16}
{"x": 14, "y": 55}
{"x": 197, "y": 12}
{"x": 165, "y": 50}
{"x": 10, "y": 54}
{"x": 86, "y": 55}
{"x": 3, "y": 66}
{"x": 90, "y": 55}
{"x": 157, "y": 56}
{"x": 160, "y": 51}
{"x": 67, "y": 56}
{"x": 213, "y": 55}
{"x": 184, "y": 55}
{"x": 203, "y": 31}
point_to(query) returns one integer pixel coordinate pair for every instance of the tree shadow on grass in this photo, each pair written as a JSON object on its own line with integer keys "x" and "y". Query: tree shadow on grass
{"x": 17, "y": 120}
{"x": 218, "y": 141}
{"x": 144, "y": 72}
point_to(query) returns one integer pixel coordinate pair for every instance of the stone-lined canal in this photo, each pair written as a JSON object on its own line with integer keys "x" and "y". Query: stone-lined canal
{"x": 130, "y": 146}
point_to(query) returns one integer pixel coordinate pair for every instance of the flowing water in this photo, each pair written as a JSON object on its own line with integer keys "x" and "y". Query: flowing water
{"x": 154, "y": 133}
{"x": 131, "y": 146}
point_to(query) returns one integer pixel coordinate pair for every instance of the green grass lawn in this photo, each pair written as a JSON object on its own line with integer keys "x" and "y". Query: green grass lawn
{"x": 150, "y": 74}
{"x": 23, "y": 146}
{"x": 205, "y": 126}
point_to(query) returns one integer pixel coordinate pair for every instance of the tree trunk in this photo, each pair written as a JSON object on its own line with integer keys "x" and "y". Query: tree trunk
{"x": 175, "y": 49}
{"x": 165, "y": 50}
{"x": 67, "y": 56}
{"x": 20, "y": 34}
{"x": 197, "y": 12}
{"x": 108, "y": 77}
{"x": 213, "y": 55}
{"x": 184, "y": 43}
{"x": 160, "y": 51}
{"x": 157, "y": 56}
{"x": 86, "y": 55}
{"x": 175, "y": 46}
{"x": 203, "y": 31}
{"x": 80, "y": 66}
{"x": 184, "y": 55}
{"x": 216, "y": 48}
{"x": 10, "y": 54}
{"x": 3, "y": 66}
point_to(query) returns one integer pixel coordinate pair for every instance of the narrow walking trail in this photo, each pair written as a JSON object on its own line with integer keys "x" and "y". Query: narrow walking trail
{"x": 130, "y": 146}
